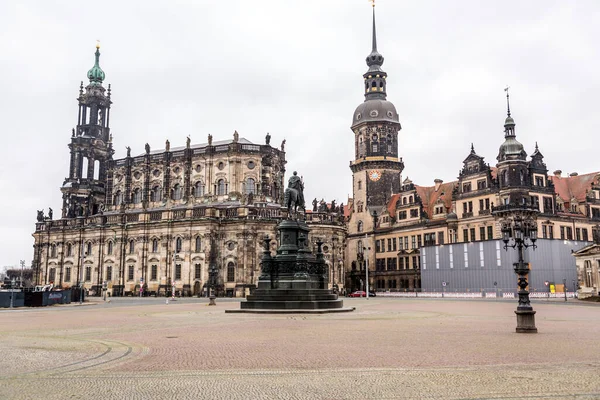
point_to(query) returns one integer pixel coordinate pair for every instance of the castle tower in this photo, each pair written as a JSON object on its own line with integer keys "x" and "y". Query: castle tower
{"x": 513, "y": 171}
{"x": 90, "y": 148}
{"x": 376, "y": 167}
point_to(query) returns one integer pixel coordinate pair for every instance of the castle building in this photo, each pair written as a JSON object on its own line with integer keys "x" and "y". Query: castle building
{"x": 164, "y": 217}
{"x": 392, "y": 219}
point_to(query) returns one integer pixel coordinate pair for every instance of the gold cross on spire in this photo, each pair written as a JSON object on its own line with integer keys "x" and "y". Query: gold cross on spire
{"x": 372, "y": 2}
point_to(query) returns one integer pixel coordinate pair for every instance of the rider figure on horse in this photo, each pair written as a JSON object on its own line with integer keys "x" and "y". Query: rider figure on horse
{"x": 295, "y": 182}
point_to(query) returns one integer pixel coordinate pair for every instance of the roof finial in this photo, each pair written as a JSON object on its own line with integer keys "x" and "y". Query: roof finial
{"x": 507, "y": 99}
{"x": 97, "y": 43}
{"x": 536, "y": 146}
{"x": 472, "y": 149}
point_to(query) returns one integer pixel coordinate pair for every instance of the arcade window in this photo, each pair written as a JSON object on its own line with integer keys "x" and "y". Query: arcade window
{"x": 153, "y": 272}
{"x": 177, "y": 272}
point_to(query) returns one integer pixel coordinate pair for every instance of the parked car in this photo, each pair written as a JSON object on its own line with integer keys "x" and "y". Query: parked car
{"x": 361, "y": 293}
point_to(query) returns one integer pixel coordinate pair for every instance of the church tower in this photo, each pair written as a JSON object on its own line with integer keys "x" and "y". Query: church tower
{"x": 90, "y": 148}
{"x": 376, "y": 167}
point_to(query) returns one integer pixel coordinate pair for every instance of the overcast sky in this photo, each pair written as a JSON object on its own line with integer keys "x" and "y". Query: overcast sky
{"x": 294, "y": 69}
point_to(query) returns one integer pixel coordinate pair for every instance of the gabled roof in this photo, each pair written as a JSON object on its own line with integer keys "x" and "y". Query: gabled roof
{"x": 573, "y": 186}
{"x": 429, "y": 196}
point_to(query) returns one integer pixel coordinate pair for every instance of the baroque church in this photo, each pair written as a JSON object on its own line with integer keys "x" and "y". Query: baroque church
{"x": 167, "y": 217}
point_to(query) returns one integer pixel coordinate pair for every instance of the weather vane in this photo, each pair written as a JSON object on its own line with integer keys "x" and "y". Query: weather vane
{"x": 372, "y": 2}
{"x": 97, "y": 43}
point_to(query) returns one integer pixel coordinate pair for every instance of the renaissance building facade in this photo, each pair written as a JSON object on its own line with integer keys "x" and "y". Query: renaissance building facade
{"x": 163, "y": 218}
{"x": 392, "y": 219}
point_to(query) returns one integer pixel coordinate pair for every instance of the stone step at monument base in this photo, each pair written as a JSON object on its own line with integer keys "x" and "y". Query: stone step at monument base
{"x": 295, "y": 305}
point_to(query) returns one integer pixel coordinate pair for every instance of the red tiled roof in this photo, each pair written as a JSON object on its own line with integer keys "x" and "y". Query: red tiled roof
{"x": 428, "y": 196}
{"x": 573, "y": 186}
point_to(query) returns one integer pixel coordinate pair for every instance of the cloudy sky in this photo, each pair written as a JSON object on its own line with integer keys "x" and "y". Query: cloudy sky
{"x": 293, "y": 68}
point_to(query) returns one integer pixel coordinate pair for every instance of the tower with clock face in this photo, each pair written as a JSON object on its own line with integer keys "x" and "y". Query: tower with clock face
{"x": 376, "y": 167}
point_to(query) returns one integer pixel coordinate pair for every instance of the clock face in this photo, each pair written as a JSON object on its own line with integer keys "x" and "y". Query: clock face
{"x": 374, "y": 175}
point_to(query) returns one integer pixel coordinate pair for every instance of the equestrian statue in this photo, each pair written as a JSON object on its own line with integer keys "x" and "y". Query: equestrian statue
{"x": 294, "y": 194}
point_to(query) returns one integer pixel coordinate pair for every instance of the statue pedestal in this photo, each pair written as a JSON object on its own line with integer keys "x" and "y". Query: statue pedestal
{"x": 295, "y": 280}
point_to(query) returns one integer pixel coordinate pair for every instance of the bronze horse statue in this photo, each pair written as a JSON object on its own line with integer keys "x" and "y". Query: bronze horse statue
{"x": 293, "y": 199}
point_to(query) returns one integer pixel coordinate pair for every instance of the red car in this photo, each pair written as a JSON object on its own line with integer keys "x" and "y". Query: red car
{"x": 360, "y": 293}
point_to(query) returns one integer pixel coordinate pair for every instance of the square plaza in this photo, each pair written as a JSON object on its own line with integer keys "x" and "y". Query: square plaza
{"x": 388, "y": 348}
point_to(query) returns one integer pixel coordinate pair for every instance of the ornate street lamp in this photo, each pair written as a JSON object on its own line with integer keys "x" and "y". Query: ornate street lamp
{"x": 212, "y": 279}
{"x": 519, "y": 230}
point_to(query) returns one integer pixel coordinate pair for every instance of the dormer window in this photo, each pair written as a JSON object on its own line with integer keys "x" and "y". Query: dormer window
{"x": 466, "y": 187}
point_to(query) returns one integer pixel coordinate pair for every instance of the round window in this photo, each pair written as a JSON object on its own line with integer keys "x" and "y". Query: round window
{"x": 358, "y": 116}
{"x": 221, "y": 165}
{"x": 374, "y": 113}
{"x": 325, "y": 249}
{"x": 137, "y": 174}
{"x": 390, "y": 114}
{"x": 251, "y": 165}
{"x": 231, "y": 245}
{"x": 198, "y": 168}
{"x": 176, "y": 170}
{"x": 156, "y": 172}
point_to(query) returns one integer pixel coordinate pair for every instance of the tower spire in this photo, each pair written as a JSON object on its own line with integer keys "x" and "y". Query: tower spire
{"x": 374, "y": 49}
{"x": 95, "y": 74}
{"x": 507, "y": 100}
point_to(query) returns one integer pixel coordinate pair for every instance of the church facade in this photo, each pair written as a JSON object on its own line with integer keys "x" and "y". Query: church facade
{"x": 163, "y": 218}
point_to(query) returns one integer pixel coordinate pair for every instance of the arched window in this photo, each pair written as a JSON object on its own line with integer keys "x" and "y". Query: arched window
{"x": 88, "y": 250}
{"x": 359, "y": 247}
{"x": 177, "y": 192}
{"x": 221, "y": 188}
{"x": 404, "y": 201}
{"x": 359, "y": 227}
{"x": 390, "y": 143}
{"x": 198, "y": 244}
{"x": 178, "y": 245}
{"x": 156, "y": 194}
{"x": 136, "y": 196}
{"x": 250, "y": 186}
{"x": 230, "y": 272}
{"x": 380, "y": 84}
{"x": 373, "y": 84}
{"x": 69, "y": 249}
{"x": 53, "y": 250}
{"x": 131, "y": 246}
{"x": 199, "y": 189}
{"x": 118, "y": 198}
{"x": 109, "y": 247}
{"x": 155, "y": 245}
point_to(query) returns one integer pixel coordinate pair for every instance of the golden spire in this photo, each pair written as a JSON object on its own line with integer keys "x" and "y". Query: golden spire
{"x": 372, "y": 2}
{"x": 98, "y": 42}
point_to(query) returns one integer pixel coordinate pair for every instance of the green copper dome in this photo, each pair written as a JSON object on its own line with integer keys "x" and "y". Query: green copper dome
{"x": 96, "y": 75}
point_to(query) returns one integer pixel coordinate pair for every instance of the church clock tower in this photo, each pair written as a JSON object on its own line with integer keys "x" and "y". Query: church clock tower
{"x": 376, "y": 167}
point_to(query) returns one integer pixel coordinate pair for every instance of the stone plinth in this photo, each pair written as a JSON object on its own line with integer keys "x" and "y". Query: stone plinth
{"x": 295, "y": 280}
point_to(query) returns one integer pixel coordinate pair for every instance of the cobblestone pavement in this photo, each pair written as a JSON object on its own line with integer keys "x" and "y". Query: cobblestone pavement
{"x": 386, "y": 349}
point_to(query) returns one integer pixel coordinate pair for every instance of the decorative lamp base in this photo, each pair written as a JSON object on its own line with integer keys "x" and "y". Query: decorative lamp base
{"x": 212, "y": 301}
{"x": 526, "y": 321}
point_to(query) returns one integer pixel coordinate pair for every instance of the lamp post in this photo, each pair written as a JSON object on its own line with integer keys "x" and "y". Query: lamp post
{"x": 574, "y": 289}
{"x": 22, "y": 262}
{"x": 373, "y": 213}
{"x": 212, "y": 276}
{"x": 519, "y": 227}
{"x": 565, "y": 288}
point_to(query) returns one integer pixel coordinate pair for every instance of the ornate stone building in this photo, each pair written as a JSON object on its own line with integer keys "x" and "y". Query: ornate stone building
{"x": 164, "y": 217}
{"x": 392, "y": 219}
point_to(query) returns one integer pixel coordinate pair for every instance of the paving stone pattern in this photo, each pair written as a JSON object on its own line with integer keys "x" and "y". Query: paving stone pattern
{"x": 388, "y": 348}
